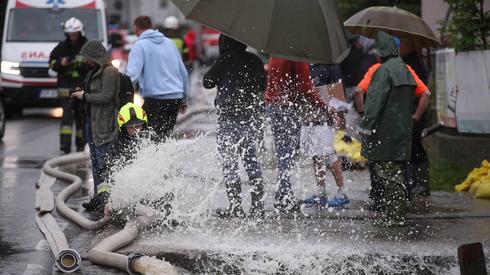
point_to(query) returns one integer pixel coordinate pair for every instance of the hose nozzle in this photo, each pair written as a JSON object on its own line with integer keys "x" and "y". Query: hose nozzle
{"x": 131, "y": 257}
{"x": 68, "y": 261}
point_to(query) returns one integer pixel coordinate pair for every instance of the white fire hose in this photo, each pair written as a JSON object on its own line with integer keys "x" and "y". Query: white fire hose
{"x": 67, "y": 259}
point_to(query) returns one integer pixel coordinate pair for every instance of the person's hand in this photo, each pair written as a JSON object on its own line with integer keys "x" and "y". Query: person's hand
{"x": 416, "y": 117}
{"x": 338, "y": 122}
{"x": 107, "y": 211}
{"x": 78, "y": 94}
{"x": 65, "y": 61}
{"x": 183, "y": 107}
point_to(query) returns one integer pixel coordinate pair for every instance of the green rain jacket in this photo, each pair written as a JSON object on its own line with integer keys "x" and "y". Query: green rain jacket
{"x": 387, "y": 123}
{"x": 103, "y": 95}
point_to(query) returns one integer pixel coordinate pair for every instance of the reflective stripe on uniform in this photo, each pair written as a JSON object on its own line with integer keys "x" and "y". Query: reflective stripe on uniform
{"x": 66, "y": 130}
{"x": 63, "y": 92}
{"x": 79, "y": 134}
{"x": 180, "y": 44}
{"x": 75, "y": 74}
{"x": 103, "y": 189}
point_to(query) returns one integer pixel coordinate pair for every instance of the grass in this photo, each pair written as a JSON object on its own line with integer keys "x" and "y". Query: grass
{"x": 444, "y": 175}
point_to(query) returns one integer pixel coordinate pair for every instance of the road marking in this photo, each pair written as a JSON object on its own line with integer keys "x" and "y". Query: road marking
{"x": 42, "y": 245}
{"x": 33, "y": 269}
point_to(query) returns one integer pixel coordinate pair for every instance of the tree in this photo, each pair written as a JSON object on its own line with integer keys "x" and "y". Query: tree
{"x": 469, "y": 25}
{"x": 350, "y": 7}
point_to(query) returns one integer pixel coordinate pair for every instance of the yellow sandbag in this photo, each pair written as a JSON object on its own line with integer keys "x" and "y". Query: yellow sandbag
{"x": 483, "y": 189}
{"x": 350, "y": 150}
{"x": 473, "y": 177}
{"x": 474, "y": 186}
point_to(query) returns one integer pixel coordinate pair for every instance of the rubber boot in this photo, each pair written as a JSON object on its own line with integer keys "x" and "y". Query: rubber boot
{"x": 288, "y": 204}
{"x": 377, "y": 191}
{"x": 97, "y": 203}
{"x": 234, "y": 193}
{"x": 421, "y": 179}
{"x": 257, "y": 210}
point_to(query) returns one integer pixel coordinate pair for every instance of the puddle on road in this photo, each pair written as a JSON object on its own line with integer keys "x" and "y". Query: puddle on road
{"x": 6, "y": 249}
{"x": 25, "y": 162}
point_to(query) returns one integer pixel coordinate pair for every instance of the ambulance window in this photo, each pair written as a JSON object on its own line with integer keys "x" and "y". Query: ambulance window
{"x": 46, "y": 25}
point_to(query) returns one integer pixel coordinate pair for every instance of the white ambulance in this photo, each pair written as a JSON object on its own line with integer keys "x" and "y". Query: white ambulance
{"x": 32, "y": 29}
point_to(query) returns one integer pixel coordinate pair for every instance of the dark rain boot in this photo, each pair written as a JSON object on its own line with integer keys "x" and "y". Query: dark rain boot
{"x": 234, "y": 193}
{"x": 257, "y": 210}
{"x": 97, "y": 204}
{"x": 377, "y": 191}
{"x": 421, "y": 178}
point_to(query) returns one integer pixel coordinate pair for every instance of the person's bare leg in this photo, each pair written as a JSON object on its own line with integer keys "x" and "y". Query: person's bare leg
{"x": 336, "y": 169}
{"x": 320, "y": 174}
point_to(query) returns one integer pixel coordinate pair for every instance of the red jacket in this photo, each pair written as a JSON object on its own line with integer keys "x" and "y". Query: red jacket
{"x": 289, "y": 83}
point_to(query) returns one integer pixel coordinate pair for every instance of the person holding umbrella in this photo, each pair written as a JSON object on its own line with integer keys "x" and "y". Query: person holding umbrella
{"x": 417, "y": 173}
{"x": 289, "y": 91}
{"x": 422, "y": 94}
{"x": 387, "y": 126}
{"x": 241, "y": 80}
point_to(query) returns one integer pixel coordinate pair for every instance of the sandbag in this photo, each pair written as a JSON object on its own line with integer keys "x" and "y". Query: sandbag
{"x": 477, "y": 182}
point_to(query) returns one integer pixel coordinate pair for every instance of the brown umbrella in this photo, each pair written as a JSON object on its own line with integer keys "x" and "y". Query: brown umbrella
{"x": 394, "y": 21}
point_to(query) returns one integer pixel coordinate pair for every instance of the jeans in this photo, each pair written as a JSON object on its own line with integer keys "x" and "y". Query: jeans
{"x": 286, "y": 130}
{"x": 97, "y": 155}
{"x": 236, "y": 139}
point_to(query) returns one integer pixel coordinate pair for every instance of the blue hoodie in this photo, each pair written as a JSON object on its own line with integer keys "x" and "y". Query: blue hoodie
{"x": 155, "y": 63}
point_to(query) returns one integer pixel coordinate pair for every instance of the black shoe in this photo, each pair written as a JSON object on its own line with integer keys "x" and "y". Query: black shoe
{"x": 375, "y": 207}
{"x": 233, "y": 212}
{"x": 421, "y": 190}
{"x": 289, "y": 206}
{"x": 65, "y": 150}
{"x": 257, "y": 211}
{"x": 95, "y": 204}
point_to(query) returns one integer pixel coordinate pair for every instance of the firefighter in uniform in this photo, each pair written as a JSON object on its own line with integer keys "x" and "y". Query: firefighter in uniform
{"x": 133, "y": 122}
{"x": 171, "y": 26}
{"x": 71, "y": 68}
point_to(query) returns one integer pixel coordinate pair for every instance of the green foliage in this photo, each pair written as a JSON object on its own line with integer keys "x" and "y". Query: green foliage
{"x": 350, "y": 7}
{"x": 469, "y": 25}
{"x": 444, "y": 175}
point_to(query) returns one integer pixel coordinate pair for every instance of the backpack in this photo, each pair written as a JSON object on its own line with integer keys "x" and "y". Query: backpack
{"x": 126, "y": 90}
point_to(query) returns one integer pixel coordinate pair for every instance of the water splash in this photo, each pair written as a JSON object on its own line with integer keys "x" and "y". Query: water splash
{"x": 190, "y": 170}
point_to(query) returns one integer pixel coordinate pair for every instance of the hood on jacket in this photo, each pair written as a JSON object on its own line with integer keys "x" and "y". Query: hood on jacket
{"x": 95, "y": 51}
{"x": 152, "y": 35}
{"x": 228, "y": 44}
{"x": 385, "y": 45}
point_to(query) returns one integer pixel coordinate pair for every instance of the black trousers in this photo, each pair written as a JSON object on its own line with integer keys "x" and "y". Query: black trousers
{"x": 417, "y": 172}
{"x": 72, "y": 114}
{"x": 162, "y": 116}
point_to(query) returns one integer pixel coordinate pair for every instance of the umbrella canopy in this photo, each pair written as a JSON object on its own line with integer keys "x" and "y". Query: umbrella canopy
{"x": 394, "y": 21}
{"x": 302, "y": 30}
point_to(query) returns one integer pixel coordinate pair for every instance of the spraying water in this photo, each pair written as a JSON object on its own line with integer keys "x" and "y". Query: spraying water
{"x": 190, "y": 171}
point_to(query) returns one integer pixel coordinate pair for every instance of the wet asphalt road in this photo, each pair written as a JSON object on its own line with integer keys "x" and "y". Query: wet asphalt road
{"x": 29, "y": 141}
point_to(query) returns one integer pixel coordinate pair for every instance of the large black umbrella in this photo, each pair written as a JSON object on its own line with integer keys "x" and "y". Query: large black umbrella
{"x": 304, "y": 30}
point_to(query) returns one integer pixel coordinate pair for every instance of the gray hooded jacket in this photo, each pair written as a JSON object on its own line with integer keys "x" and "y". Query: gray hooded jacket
{"x": 102, "y": 93}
